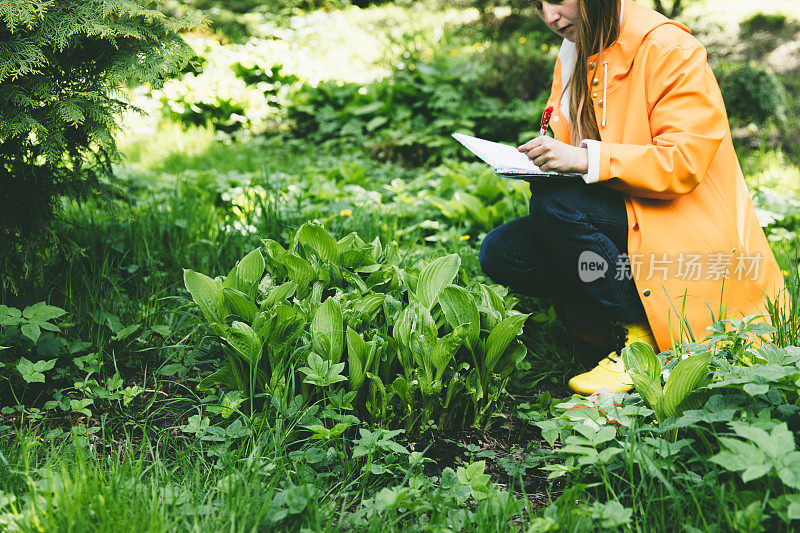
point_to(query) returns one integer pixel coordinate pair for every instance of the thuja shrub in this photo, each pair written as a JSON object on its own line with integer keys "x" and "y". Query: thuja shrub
{"x": 62, "y": 66}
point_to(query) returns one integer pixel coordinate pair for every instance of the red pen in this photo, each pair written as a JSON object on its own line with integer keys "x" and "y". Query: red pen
{"x": 548, "y": 112}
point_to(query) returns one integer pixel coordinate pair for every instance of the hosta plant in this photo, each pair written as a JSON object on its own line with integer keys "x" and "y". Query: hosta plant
{"x": 345, "y": 323}
{"x": 645, "y": 369}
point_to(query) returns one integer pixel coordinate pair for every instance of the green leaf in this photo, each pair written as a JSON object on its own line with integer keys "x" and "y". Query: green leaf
{"x": 31, "y": 331}
{"x": 437, "y": 274}
{"x": 245, "y": 342}
{"x": 300, "y": 272}
{"x": 404, "y": 390}
{"x": 239, "y": 304}
{"x": 500, "y": 338}
{"x": 10, "y": 316}
{"x": 41, "y": 312}
{"x": 322, "y": 372}
{"x": 511, "y": 358}
{"x": 640, "y": 356}
{"x": 81, "y": 406}
{"x": 244, "y": 277}
{"x": 683, "y": 379}
{"x": 126, "y": 332}
{"x": 34, "y": 372}
{"x": 207, "y": 294}
{"x": 446, "y": 349}
{"x": 312, "y": 235}
{"x": 223, "y": 377}
{"x": 650, "y": 389}
{"x": 279, "y": 293}
{"x": 327, "y": 330}
{"x": 459, "y": 308}
{"x": 356, "y": 359}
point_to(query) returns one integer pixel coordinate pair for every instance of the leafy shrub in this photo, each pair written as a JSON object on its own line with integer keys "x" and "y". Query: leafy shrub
{"x": 735, "y": 406}
{"x": 751, "y": 93}
{"x": 237, "y": 89}
{"x": 519, "y": 68}
{"x": 28, "y": 345}
{"x": 60, "y": 74}
{"x": 410, "y": 116}
{"x": 399, "y": 345}
{"x": 769, "y": 23}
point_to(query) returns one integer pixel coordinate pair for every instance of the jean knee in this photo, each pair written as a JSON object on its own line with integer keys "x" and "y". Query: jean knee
{"x": 488, "y": 255}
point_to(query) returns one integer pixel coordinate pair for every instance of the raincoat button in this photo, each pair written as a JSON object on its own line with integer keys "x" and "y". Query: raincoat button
{"x": 594, "y": 95}
{"x": 601, "y": 103}
{"x": 646, "y": 292}
{"x": 733, "y": 251}
{"x": 595, "y": 82}
{"x": 635, "y": 226}
{"x": 591, "y": 65}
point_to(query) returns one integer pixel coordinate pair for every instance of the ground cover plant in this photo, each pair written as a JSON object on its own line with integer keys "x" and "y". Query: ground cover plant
{"x": 280, "y": 323}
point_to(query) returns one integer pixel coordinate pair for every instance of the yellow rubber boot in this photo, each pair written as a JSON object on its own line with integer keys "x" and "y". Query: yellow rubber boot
{"x": 610, "y": 374}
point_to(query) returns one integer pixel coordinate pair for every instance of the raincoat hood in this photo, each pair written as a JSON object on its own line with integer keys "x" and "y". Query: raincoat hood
{"x": 634, "y": 30}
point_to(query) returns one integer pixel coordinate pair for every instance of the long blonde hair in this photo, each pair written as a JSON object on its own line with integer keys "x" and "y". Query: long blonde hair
{"x": 598, "y": 28}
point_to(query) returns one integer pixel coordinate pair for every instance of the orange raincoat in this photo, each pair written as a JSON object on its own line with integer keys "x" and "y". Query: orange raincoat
{"x": 665, "y": 143}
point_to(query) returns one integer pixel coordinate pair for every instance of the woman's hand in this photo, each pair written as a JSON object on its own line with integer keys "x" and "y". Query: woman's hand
{"x": 553, "y": 155}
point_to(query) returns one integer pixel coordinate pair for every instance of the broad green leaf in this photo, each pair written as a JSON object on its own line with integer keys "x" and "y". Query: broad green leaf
{"x": 500, "y": 338}
{"x": 356, "y": 359}
{"x": 511, "y": 358}
{"x": 312, "y": 235}
{"x": 223, "y": 377}
{"x": 446, "y": 349}
{"x": 301, "y": 272}
{"x": 31, "y": 331}
{"x": 459, "y": 308}
{"x": 327, "y": 330}
{"x": 322, "y": 372}
{"x": 650, "y": 390}
{"x": 239, "y": 304}
{"x": 351, "y": 241}
{"x": 437, "y": 274}
{"x": 683, "y": 379}
{"x": 247, "y": 273}
{"x": 491, "y": 300}
{"x": 477, "y": 208}
{"x": 125, "y": 332}
{"x": 423, "y": 336}
{"x": 279, "y": 293}
{"x": 404, "y": 390}
{"x": 10, "y": 316}
{"x": 207, "y": 294}
{"x": 640, "y": 356}
{"x": 368, "y": 304}
{"x": 40, "y": 311}
{"x": 245, "y": 342}
{"x": 34, "y": 372}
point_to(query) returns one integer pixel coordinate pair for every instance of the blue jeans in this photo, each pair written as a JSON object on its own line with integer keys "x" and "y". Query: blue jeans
{"x": 557, "y": 251}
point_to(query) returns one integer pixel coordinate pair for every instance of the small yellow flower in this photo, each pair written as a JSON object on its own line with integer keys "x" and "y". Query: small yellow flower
{"x": 453, "y": 52}
{"x": 477, "y": 46}
{"x": 345, "y": 213}
{"x": 427, "y": 55}
{"x": 463, "y": 238}
{"x": 545, "y": 48}
{"x": 522, "y": 40}
{"x": 785, "y": 272}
